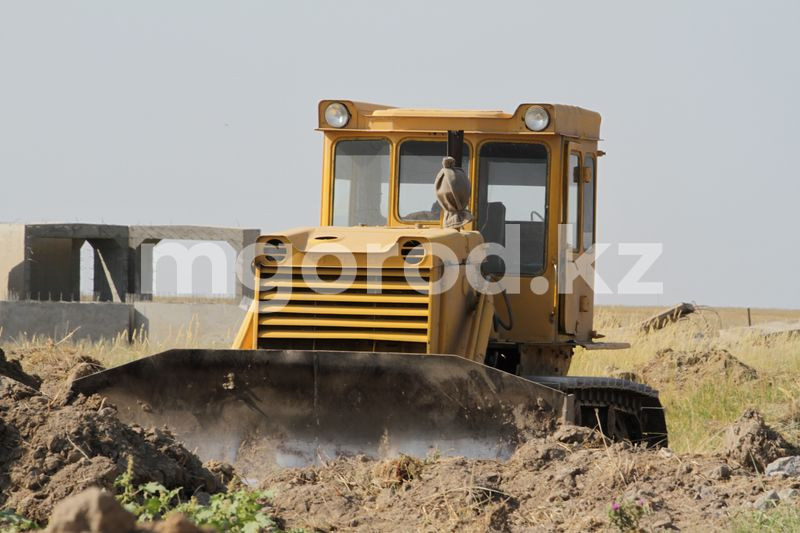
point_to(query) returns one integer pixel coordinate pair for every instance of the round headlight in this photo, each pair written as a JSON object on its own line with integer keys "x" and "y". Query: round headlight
{"x": 336, "y": 115}
{"x": 536, "y": 118}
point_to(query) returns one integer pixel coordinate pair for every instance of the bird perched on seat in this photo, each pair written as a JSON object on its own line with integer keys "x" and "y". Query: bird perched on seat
{"x": 453, "y": 192}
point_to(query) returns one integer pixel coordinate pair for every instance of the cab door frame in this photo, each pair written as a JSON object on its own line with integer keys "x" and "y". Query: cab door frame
{"x": 567, "y": 315}
{"x": 576, "y": 293}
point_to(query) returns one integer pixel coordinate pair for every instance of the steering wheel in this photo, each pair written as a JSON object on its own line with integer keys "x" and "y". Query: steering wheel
{"x": 541, "y": 218}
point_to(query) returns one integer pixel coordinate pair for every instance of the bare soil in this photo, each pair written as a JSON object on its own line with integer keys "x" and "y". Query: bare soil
{"x": 51, "y": 448}
{"x": 565, "y": 482}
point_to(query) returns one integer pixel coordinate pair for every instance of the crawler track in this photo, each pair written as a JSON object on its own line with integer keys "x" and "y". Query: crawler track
{"x": 623, "y": 409}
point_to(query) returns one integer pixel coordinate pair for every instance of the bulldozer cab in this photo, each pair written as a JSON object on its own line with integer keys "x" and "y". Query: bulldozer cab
{"x": 533, "y": 174}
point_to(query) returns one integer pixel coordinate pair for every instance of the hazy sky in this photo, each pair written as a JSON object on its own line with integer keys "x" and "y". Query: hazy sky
{"x": 202, "y": 112}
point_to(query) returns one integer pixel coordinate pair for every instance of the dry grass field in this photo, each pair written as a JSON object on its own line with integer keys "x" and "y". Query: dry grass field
{"x": 706, "y": 395}
{"x": 708, "y": 367}
{"x": 699, "y": 404}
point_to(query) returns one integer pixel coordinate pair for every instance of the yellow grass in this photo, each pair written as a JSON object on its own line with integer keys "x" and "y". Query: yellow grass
{"x": 110, "y": 352}
{"x": 698, "y": 412}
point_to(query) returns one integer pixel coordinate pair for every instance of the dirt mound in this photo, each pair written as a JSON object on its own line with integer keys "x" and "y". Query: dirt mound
{"x": 753, "y": 444}
{"x": 13, "y": 369}
{"x": 49, "y": 368}
{"x": 565, "y": 482}
{"x": 689, "y": 367}
{"x": 49, "y": 450}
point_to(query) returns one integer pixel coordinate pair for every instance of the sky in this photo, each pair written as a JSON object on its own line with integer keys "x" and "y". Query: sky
{"x": 199, "y": 112}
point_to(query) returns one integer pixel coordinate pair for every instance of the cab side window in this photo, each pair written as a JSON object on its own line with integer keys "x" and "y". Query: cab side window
{"x": 573, "y": 179}
{"x": 361, "y": 182}
{"x": 589, "y": 165}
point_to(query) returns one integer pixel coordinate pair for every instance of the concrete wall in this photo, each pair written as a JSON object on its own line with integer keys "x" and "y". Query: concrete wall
{"x": 37, "y": 260}
{"x": 12, "y": 261}
{"x": 166, "y": 325}
{"x": 55, "y": 320}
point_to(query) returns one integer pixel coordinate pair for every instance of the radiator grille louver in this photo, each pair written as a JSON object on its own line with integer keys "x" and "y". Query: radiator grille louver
{"x": 366, "y": 310}
{"x": 275, "y": 251}
{"x": 412, "y": 252}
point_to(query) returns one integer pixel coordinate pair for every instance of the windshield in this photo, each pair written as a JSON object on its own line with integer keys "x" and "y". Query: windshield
{"x": 361, "y": 183}
{"x": 420, "y": 161}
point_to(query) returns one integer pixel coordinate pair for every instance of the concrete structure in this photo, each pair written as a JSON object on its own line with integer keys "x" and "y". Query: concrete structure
{"x": 142, "y": 239}
{"x": 164, "y": 325}
{"x": 42, "y": 261}
{"x": 56, "y": 320}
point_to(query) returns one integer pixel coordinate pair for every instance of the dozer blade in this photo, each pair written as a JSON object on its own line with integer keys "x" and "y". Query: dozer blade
{"x": 259, "y": 409}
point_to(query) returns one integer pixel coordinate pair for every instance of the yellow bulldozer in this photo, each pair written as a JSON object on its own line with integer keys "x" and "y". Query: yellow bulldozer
{"x": 386, "y": 330}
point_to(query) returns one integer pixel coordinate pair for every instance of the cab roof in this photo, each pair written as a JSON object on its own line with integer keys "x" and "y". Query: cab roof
{"x": 566, "y": 120}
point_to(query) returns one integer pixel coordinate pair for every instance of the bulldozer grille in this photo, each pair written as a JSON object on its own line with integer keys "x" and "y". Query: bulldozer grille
{"x": 355, "y": 309}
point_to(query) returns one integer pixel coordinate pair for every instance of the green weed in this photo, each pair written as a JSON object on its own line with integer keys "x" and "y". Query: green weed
{"x": 239, "y": 511}
{"x": 10, "y": 522}
{"x": 625, "y": 516}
